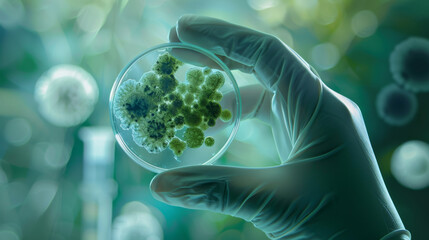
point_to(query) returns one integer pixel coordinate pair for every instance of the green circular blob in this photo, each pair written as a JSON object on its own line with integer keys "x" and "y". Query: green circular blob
{"x": 189, "y": 99}
{"x": 168, "y": 83}
{"x": 195, "y": 76}
{"x": 203, "y": 101}
{"x": 179, "y": 122}
{"x": 206, "y": 93}
{"x": 138, "y": 106}
{"x": 193, "y": 88}
{"x": 177, "y": 146}
{"x": 207, "y": 70}
{"x": 204, "y": 126}
{"x": 226, "y": 115}
{"x": 181, "y": 88}
{"x": 186, "y": 110}
{"x": 132, "y": 103}
{"x": 194, "y": 137}
{"x": 213, "y": 110}
{"x": 209, "y": 141}
{"x": 217, "y": 96}
{"x": 211, "y": 122}
{"x": 177, "y": 103}
{"x": 156, "y": 129}
{"x": 173, "y": 96}
{"x": 150, "y": 78}
{"x": 166, "y": 64}
{"x": 163, "y": 107}
{"x": 172, "y": 111}
{"x": 215, "y": 80}
{"x": 193, "y": 119}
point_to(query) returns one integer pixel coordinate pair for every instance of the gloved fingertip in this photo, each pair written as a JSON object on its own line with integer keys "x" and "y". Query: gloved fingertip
{"x": 161, "y": 183}
{"x": 172, "y": 35}
{"x": 154, "y": 184}
{"x": 183, "y": 24}
{"x": 186, "y": 19}
{"x": 160, "y": 187}
{"x": 186, "y": 26}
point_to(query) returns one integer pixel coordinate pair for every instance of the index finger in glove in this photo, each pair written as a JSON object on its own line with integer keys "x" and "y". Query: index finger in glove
{"x": 198, "y": 59}
{"x": 242, "y": 48}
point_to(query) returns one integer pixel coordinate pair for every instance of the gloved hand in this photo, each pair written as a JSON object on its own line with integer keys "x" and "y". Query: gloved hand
{"x": 328, "y": 186}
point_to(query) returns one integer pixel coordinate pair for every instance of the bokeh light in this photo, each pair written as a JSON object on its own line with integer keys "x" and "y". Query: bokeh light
{"x": 409, "y": 64}
{"x": 40, "y": 196}
{"x": 306, "y": 4}
{"x": 396, "y": 106}
{"x": 133, "y": 207}
{"x": 410, "y": 164}
{"x": 137, "y": 225}
{"x": 262, "y": 4}
{"x": 50, "y": 155}
{"x": 325, "y": 56}
{"x": 364, "y": 23}
{"x": 12, "y": 12}
{"x": 44, "y": 16}
{"x": 99, "y": 44}
{"x": 91, "y": 18}
{"x": 17, "y": 131}
{"x": 17, "y": 191}
{"x": 328, "y": 13}
{"x": 66, "y": 95}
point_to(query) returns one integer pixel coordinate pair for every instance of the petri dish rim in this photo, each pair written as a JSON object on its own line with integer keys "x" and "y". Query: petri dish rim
{"x": 125, "y": 70}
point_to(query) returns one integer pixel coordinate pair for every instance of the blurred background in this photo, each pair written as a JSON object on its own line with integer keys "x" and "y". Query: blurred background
{"x": 63, "y": 177}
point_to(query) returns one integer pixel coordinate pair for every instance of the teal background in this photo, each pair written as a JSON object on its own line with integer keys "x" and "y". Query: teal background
{"x": 38, "y": 34}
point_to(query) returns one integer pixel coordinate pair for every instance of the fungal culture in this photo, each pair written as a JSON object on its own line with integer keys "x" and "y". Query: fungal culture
{"x": 175, "y": 105}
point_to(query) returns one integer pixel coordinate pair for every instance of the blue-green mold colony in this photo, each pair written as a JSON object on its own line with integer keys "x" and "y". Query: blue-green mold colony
{"x": 157, "y": 106}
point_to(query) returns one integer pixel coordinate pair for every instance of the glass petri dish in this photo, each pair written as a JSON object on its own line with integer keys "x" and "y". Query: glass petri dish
{"x": 160, "y": 125}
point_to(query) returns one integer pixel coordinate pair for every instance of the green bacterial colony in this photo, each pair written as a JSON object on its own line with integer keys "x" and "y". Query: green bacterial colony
{"x": 157, "y": 106}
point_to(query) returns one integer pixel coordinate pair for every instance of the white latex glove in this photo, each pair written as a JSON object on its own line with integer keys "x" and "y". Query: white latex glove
{"x": 328, "y": 186}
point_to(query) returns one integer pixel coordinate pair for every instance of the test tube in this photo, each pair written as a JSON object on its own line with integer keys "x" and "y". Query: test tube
{"x": 98, "y": 187}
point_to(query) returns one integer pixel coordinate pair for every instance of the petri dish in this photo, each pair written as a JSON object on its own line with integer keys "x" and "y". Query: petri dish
{"x": 175, "y": 105}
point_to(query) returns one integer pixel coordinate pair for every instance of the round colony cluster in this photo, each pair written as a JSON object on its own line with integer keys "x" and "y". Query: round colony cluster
{"x": 157, "y": 106}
